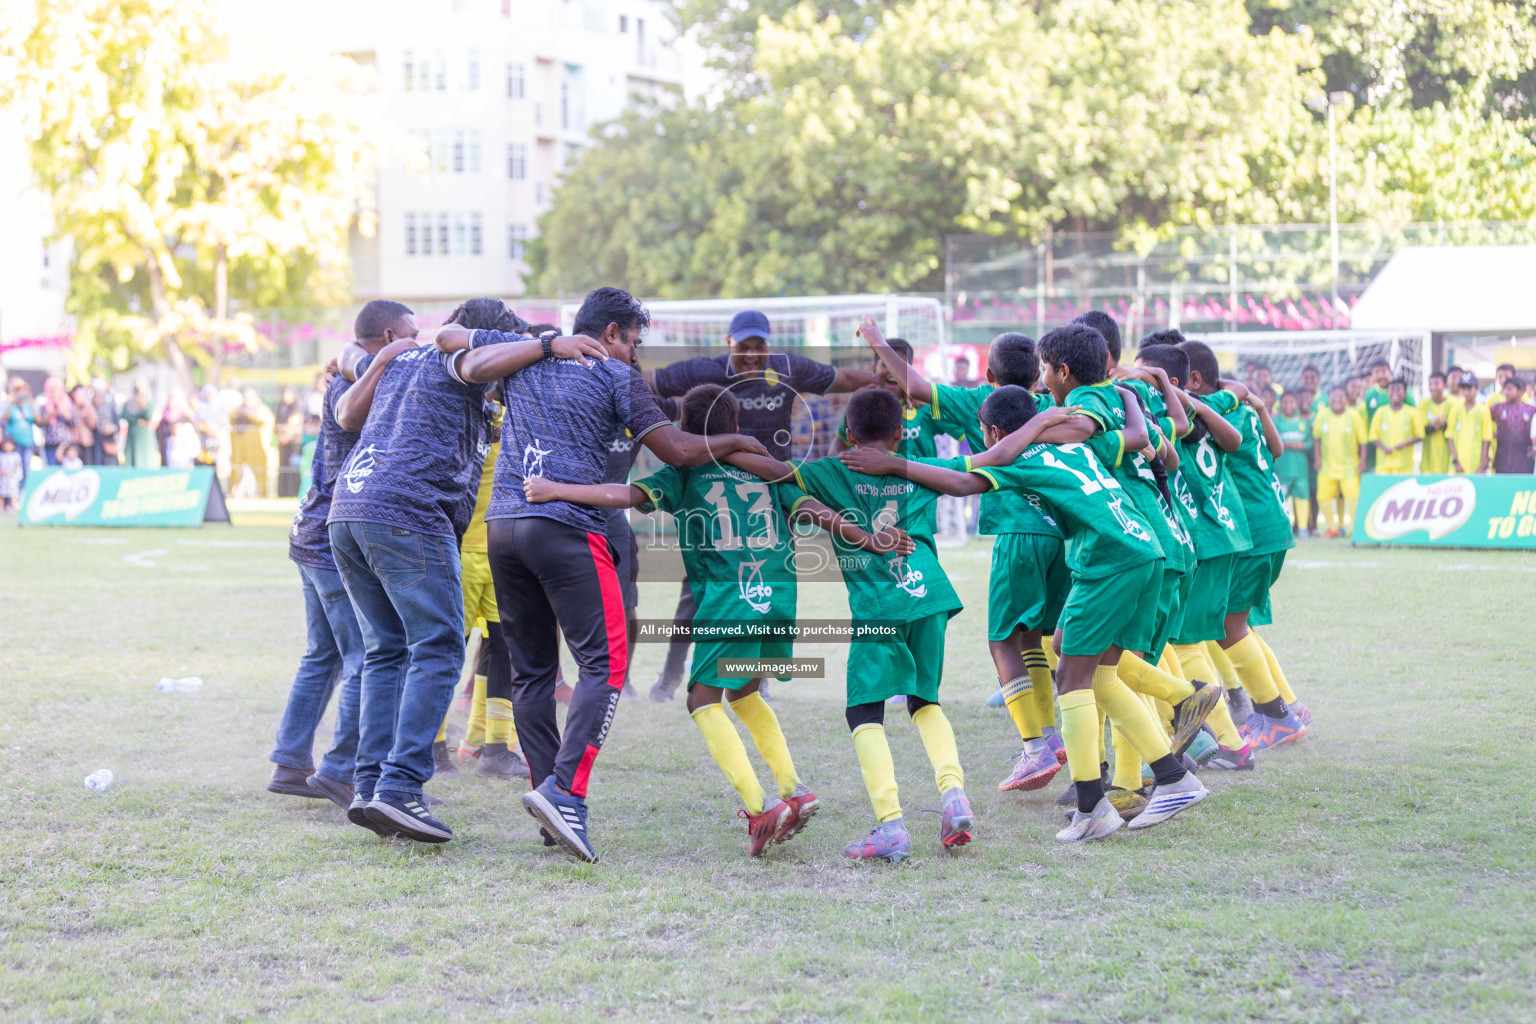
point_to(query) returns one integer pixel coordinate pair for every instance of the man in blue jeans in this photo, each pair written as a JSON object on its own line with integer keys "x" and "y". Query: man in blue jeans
{"x": 334, "y": 650}
{"x": 402, "y": 500}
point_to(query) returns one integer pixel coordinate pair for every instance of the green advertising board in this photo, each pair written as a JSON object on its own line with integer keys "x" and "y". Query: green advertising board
{"x": 122, "y": 496}
{"x": 1447, "y": 511}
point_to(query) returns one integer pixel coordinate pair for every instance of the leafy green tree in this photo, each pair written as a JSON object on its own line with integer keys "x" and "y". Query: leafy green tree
{"x": 191, "y": 177}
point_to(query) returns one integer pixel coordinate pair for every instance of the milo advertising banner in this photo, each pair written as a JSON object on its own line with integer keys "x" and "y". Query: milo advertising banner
{"x": 1447, "y": 511}
{"x": 122, "y": 496}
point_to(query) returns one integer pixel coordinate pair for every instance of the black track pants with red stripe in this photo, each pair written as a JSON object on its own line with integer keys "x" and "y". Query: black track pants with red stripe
{"x": 548, "y": 573}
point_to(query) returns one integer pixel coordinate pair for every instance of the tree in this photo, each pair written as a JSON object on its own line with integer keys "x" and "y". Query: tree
{"x": 191, "y": 176}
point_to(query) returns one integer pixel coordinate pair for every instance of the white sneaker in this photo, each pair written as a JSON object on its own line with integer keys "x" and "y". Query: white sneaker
{"x": 1102, "y": 822}
{"x": 1169, "y": 800}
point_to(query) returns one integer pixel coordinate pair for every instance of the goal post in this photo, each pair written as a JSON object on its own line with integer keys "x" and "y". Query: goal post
{"x": 1338, "y": 355}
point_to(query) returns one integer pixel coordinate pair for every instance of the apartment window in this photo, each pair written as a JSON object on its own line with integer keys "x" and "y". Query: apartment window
{"x": 442, "y": 71}
{"x": 410, "y": 234}
{"x": 517, "y": 240}
{"x": 475, "y": 235}
{"x": 572, "y": 151}
{"x": 573, "y": 106}
{"x": 623, "y": 23}
{"x": 474, "y": 152}
{"x": 426, "y": 234}
{"x": 472, "y": 72}
{"x": 441, "y": 155}
{"x": 515, "y": 87}
{"x": 517, "y": 161}
{"x": 460, "y": 235}
{"x": 410, "y": 71}
{"x": 540, "y": 193}
{"x": 442, "y": 234}
{"x": 458, "y": 152}
{"x": 640, "y": 41}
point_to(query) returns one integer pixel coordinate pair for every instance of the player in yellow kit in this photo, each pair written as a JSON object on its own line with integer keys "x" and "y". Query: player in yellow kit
{"x": 1338, "y": 434}
{"x": 1395, "y": 429}
{"x": 1469, "y": 430}
{"x": 1434, "y": 419}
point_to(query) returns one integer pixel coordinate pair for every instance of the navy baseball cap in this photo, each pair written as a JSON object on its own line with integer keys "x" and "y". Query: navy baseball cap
{"x": 749, "y": 323}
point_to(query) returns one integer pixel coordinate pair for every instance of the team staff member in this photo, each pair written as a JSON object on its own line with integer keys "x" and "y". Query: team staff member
{"x": 553, "y": 565}
{"x": 765, "y": 385}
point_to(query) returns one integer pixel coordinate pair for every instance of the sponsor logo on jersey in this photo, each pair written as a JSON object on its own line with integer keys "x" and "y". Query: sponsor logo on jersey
{"x": 1131, "y": 527}
{"x": 907, "y": 578}
{"x": 1223, "y": 516}
{"x": 359, "y": 468}
{"x": 763, "y": 403}
{"x": 533, "y": 458}
{"x": 911, "y": 433}
{"x": 750, "y": 585}
{"x": 620, "y": 445}
{"x": 1437, "y": 508}
{"x": 1182, "y": 493}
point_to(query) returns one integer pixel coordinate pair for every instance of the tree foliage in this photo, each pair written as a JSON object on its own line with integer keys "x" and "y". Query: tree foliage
{"x": 191, "y": 177}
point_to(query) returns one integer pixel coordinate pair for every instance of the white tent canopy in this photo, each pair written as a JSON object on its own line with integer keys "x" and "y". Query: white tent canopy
{"x": 1474, "y": 289}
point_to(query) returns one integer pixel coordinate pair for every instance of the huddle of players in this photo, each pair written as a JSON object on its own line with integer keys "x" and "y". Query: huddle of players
{"x": 1120, "y": 530}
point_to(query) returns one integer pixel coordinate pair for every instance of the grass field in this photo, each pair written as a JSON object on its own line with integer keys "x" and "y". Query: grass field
{"x": 1381, "y": 869}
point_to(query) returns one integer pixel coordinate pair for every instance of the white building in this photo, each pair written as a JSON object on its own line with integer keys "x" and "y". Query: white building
{"x": 34, "y": 272}
{"x": 491, "y": 99}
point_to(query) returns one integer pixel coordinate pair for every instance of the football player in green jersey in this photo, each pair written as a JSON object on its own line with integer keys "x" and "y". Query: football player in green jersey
{"x": 919, "y": 429}
{"x": 1029, "y": 578}
{"x": 731, "y": 528}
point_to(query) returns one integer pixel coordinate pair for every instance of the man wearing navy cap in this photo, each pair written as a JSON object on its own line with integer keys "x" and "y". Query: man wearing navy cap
{"x": 765, "y": 384}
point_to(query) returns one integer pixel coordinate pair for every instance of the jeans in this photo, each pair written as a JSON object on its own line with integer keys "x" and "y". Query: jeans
{"x": 404, "y": 586}
{"x": 25, "y": 451}
{"x": 334, "y": 652}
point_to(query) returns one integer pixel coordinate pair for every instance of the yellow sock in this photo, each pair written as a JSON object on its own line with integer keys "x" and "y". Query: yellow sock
{"x": 474, "y": 732}
{"x": 1162, "y": 711}
{"x": 763, "y": 724}
{"x": 1103, "y": 717}
{"x": 1196, "y": 663}
{"x": 1169, "y": 662}
{"x": 1221, "y": 661}
{"x": 1252, "y": 670}
{"x": 1225, "y": 729}
{"x": 1146, "y": 678}
{"x": 1127, "y": 763}
{"x": 1276, "y": 673}
{"x": 879, "y": 771}
{"x": 730, "y": 754}
{"x": 1129, "y": 714}
{"x": 1349, "y": 516}
{"x": 1039, "y": 669}
{"x": 442, "y": 730}
{"x": 1300, "y": 509}
{"x": 1048, "y": 648}
{"x": 939, "y": 741}
{"x": 1330, "y": 513}
{"x": 1079, "y": 716}
{"x": 499, "y": 727}
{"x": 1019, "y": 699}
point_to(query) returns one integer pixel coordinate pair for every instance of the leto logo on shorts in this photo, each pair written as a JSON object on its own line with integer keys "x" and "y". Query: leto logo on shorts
{"x": 907, "y": 578}
{"x": 749, "y": 582}
{"x": 64, "y": 494}
{"x": 360, "y": 468}
{"x": 533, "y": 458}
{"x": 1438, "y": 508}
{"x": 762, "y": 403}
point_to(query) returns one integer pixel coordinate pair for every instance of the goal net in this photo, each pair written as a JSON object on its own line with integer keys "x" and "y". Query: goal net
{"x": 1337, "y": 355}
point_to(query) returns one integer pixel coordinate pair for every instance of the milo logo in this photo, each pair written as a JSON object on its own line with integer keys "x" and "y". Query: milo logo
{"x": 64, "y": 494}
{"x": 1437, "y": 508}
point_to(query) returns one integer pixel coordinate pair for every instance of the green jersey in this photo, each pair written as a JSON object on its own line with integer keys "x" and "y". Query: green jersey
{"x": 919, "y": 432}
{"x": 1103, "y": 404}
{"x": 1105, "y": 533}
{"x": 1269, "y": 523}
{"x": 1002, "y": 511}
{"x": 1203, "y": 485}
{"x": 889, "y": 586}
{"x": 734, "y": 534}
{"x": 1293, "y": 464}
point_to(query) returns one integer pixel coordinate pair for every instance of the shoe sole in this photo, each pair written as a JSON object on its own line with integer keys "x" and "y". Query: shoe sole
{"x": 889, "y": 858}
{"x": 359, "y": 816}
{"x": 1227, "y": 766}
{"x": 286, "y": 790}
{"x": 341, "y": 795}
{"x": 1184, "y": 733}
{"x": 961, "y": 836}
{"x": 807, "y": 812}
{"x": 756, "y": 850}
{"x": 545, "y": 814}
{"x": 485, "y": 771}
{"x": 1029, "y": 783}
{"x": 1150, "y": 817}
{"x": 1282, "y": 741}
{"x": 1108, "y": 827}
{"x": 388, "y": 817}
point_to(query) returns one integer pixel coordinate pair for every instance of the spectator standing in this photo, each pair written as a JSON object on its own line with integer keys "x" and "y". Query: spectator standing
{"x": 1293, "y": 467}
{"x": 250, "y": 427}
{"x": 20, "y": 420}
{"x": 139, "y": 412}
{"x": 109, "y": 423}
{"x": 176, "y": 412}
{"x": 55, "y": 414}
{"x": 10, "y": 473}
{"x": 1469, "y": 429}
{"x": 85, "y": 424}
{"x": 289, "y": 429}
{"x": 1512, "y": 423}
{"x": 314, "y": 402}
{"x": 1495, "y": 393}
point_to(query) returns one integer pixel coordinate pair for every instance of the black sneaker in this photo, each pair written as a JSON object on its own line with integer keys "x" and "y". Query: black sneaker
{"x": 498, "y": 762}
{"x": 357, "y": 814}
{"x": 338, "y": 793}
{"x": 442, "y": 760}
{"x": 407, "y": 814}
{"x": 549, "y": 840}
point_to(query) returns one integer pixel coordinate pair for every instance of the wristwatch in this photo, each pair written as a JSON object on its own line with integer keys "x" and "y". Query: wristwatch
{"x": 548, "y": 342}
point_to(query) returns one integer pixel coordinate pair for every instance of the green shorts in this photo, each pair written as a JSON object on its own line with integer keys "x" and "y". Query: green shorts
{"x": 1252, "y": 576}
{"x": 707, "y": 655}
{"x": 1170, "y": 609}
{"x": 1262, "y": 613}
{"x": 912, "y": 665}
{"x": 1205, "y": 609}
{"x": 1112, "y": 611}
{"x": 1029, "y": 583}
{"x": 1297, "y": 487}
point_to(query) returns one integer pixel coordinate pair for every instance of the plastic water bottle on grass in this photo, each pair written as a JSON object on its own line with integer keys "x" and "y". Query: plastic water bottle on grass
{"x": 99, "y": 779}
{"x": 191, "y": 684}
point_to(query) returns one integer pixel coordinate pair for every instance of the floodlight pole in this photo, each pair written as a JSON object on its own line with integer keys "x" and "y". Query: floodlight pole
{"x": 1333, "y": 210}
